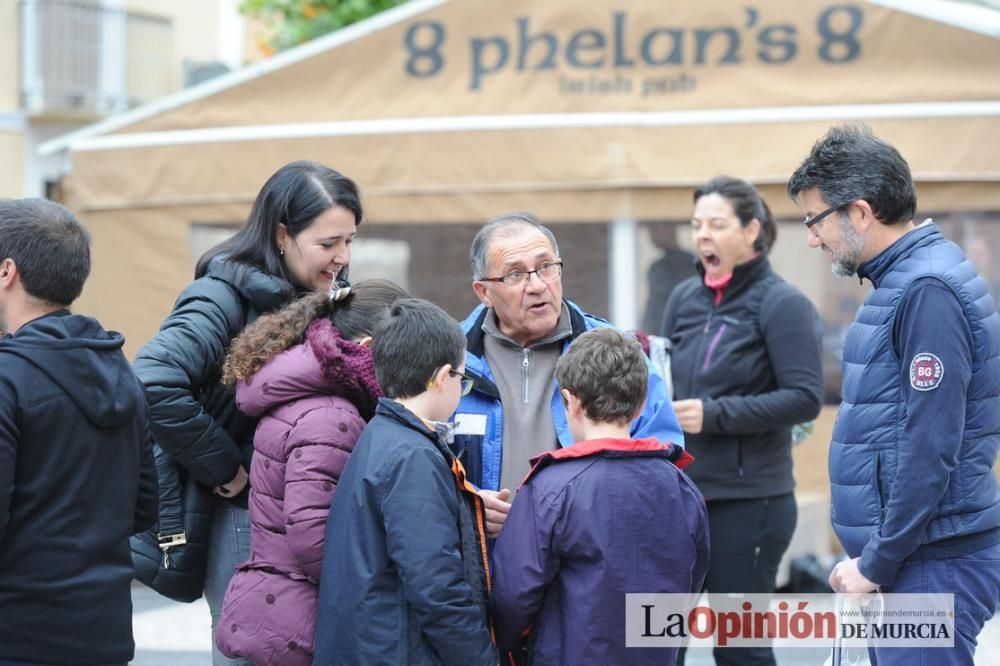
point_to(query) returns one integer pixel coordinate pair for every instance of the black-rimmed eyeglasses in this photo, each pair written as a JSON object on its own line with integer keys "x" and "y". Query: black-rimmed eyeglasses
{"x": 548, "y": 272}
{"x": 816, "y": 219}
{"x": 465, "y": 379}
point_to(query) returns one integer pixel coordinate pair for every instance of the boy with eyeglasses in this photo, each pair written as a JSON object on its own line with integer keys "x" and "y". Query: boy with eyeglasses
{"x": 592, "y": 522}
{"x": 404, "y": 576}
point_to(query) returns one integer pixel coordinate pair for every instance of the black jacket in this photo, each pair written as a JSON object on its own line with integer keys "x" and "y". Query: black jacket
{"x": 403, "y": 578}
{"x": 192, "y": 416}
{"x": 755, "y": 363}
{"x": 76, "y": 479}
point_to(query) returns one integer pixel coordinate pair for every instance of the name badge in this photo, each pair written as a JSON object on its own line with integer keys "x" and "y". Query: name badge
{"x": 470, "y": 424}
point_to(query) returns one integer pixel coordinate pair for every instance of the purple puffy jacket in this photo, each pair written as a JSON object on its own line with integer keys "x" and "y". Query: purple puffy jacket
{"x": 315, "y": 399}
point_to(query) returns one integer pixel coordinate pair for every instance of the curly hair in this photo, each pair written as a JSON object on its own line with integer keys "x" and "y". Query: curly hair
{"x": 356, "y": 316}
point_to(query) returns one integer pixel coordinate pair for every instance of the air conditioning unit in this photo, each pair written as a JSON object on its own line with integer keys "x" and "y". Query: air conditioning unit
{"x": 199, "y": 72}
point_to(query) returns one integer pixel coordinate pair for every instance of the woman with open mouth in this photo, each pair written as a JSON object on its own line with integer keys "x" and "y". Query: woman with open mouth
{"x": 745, "y": 362}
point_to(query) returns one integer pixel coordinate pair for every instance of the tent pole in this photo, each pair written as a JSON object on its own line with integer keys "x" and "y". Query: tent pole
{"x": 623, "y": 285}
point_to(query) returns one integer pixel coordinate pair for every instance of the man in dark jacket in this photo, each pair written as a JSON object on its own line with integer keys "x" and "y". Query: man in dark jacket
{"x": 593, "y": 522}
{"x": 76, "y": 471}
{"x": 915, "y": 502}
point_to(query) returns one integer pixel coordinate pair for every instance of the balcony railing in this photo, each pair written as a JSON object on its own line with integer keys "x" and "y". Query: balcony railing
{"x": 82, "y": 60}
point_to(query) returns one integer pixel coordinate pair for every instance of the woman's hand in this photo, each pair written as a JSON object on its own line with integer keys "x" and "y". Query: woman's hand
{"x": 235, "y": 486}
{"x": 690, "y": 415}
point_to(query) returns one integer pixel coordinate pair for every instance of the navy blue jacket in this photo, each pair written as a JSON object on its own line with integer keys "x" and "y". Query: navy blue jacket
{"x": 76, "y": 479}
{"x": 592, "y": 523}
{"x": 481, "y": 452}
{"x": 917, "y": 434}
{"x": 404, "y": 576}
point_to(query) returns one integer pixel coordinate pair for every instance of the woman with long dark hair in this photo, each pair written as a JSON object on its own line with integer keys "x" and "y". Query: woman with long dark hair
{"x": 745, "y": 362}
{"x": 297, "y": 239}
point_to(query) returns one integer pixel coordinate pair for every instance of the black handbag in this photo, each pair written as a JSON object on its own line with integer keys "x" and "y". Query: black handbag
{"x": 172, "y": 557}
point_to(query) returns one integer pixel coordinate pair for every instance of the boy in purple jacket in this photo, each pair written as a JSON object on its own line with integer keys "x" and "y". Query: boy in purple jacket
{"x": 598, "y": 520}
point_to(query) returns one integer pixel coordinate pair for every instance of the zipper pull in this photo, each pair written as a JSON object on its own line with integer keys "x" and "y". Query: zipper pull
{"x": 525, "y": 369}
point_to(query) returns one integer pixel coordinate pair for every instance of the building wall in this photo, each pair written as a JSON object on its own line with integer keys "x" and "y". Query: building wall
{"x": 9, "y": 30}
{"x": 11, "y": 164}
{"x": 11, "y": 123}
{"x": 203, "y": 31}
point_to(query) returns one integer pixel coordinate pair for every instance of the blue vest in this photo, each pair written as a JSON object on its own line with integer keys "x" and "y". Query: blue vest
{"x": 866, "y": 436}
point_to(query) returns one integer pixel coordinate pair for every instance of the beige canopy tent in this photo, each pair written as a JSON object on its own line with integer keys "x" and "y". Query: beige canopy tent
{"x": 452, "y": 111}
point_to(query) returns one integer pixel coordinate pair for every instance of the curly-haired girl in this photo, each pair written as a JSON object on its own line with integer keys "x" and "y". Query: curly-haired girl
{"x": 308, "y": 372}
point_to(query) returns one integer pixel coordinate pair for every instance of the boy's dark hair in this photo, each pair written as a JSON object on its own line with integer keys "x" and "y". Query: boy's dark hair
{"x": 50, "y": 247}
{"x": 851, "y": 163}
{"x": 607, "y": 372}
{"x": 415, "y": 339}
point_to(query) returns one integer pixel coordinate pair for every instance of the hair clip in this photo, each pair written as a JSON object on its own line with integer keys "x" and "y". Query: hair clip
{"x": 339, "y": 290}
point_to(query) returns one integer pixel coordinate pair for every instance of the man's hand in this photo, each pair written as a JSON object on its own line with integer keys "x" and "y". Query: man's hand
{"x": 235, "y": 486}
{"x": 846, "y": 578}
{"x": 497, "y": 508}
{"x": 690, "y": 415}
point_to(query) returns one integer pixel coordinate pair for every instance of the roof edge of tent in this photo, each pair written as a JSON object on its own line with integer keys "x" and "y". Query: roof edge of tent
{"x": 264, "y": 67}
{"x": 974, "y": 18}
{"x": 539, "y": 121}
{"x": 388, "y": 18}
{"x": 505, "y": 188}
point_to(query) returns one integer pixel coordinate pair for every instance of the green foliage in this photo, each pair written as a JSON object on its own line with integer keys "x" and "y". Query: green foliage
{"x": 293, "y": 22}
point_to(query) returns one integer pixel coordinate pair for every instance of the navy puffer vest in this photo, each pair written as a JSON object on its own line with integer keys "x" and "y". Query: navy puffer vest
{"x": 864, "y": 449}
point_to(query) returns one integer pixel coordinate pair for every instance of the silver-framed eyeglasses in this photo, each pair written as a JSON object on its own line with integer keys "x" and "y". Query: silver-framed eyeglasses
{"x": 547, "y": 272}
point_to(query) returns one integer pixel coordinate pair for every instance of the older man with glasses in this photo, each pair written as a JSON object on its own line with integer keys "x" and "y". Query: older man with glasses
{"x": 915, "y": 502}
{"x": 514, "y": 411}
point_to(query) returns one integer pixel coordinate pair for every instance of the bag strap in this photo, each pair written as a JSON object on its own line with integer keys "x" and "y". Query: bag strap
{"x": 170, "y": 527}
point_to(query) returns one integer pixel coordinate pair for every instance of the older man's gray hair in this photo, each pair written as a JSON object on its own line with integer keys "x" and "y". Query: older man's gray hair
{"x": 504, "y": 225}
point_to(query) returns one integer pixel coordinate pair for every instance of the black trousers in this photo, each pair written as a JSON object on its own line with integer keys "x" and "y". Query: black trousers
{"x": 748, "y": 538}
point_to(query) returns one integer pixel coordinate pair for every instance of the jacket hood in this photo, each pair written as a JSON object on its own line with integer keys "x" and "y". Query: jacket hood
{"x": 265, "y": 291}
{"x": 84, "y": 360}
{"x": 648, "y": 447}
{"x": 324, "y": 364}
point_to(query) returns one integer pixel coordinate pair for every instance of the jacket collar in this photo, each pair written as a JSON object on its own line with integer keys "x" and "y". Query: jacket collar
{"x": 649, "y": 447}
{"x": 438, "y": 434}
{"x": 475, "y": 339}
{"x": 744, "y": 275}
{"x": 563, "y": 330}
{"x": 878, "y": 266}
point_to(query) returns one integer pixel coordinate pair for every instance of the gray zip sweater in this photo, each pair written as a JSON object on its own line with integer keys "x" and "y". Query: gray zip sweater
{"x": 525, "y": 377}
